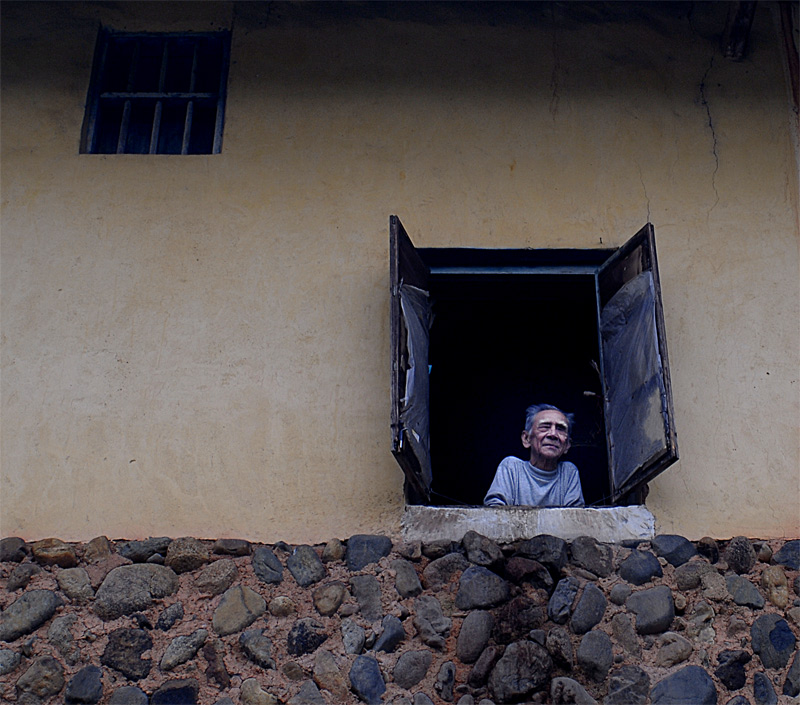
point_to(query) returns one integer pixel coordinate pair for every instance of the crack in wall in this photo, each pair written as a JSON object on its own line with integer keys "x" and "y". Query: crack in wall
{"x": 714, "y": 142}
{"x": 644, "y": 188}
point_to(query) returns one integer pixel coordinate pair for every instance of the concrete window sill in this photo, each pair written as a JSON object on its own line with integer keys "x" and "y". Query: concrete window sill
{"x": 506, "y": 524}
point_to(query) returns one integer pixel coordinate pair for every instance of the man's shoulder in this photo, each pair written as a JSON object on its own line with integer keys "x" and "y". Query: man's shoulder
{"x": 566, "y": 466}
{"x": 512, "y": 461}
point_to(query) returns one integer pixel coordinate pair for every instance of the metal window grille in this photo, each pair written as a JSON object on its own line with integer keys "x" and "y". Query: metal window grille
{"x": 157, "y": 93}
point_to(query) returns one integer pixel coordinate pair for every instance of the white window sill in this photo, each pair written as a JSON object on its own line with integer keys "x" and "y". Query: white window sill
{"x": 506, "y": 524}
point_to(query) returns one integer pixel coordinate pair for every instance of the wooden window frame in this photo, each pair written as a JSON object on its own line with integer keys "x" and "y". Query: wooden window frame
{"x": 161, "y": 99}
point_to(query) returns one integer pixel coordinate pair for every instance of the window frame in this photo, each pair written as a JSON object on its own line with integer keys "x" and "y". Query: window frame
{"x": 413, "y": 267}
{"x": 130, "y": 98}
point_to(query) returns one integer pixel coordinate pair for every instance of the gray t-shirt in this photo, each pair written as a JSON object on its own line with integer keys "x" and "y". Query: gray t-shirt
{"x": 518, "y": 482}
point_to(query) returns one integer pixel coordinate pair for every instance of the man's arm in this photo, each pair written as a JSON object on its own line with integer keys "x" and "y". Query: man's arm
{"x": 573, "y": 497}
{"x": 501, "y": 491}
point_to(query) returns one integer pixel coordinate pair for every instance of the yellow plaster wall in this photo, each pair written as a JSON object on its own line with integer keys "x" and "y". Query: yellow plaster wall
{"x": 200, "y": 345}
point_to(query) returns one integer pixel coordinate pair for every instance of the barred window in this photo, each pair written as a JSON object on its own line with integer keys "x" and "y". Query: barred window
{"x": 157, "y": 93}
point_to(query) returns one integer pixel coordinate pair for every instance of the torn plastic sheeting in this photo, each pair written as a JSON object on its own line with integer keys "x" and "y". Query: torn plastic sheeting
{"x": 634, "y": 381}
{"x": 415, "y": 305}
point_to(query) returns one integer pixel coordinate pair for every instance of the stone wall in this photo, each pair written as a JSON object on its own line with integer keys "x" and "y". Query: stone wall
{"x": 380, "y": 621}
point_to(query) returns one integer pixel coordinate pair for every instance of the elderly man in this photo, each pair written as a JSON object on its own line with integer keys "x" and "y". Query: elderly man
{"x": 545, "y": 480}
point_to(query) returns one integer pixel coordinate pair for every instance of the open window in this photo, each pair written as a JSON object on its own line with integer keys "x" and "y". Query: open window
{"x": 479, "y": 334}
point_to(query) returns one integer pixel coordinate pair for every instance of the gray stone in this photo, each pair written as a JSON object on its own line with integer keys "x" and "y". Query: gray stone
{"x": 21, "y": 576}
{"x": 128, "y": 695}
{"x": 476, "y": 629}
{"x": 484, "y": 665}
{"x": 763, "y": 692}
{"x": 305, "y": 636}
{"x": 431, "y": 624}
{"x": 775, "y": 584}
{"x": 640, "y": 567}
{"x": 214, "y": 655}
{"x": 328, "y": 598}
{"x": 411, "y": 668}
{"x": 391, "y": 636}
{"x": 367, "y": 591}
{"x": 526, "y": 570}
{"x": 479, "y": 587}
{"x": 406, "y": 580}
{"x": 257, "y": 647}
{"x": 672, "y": 650}
{"x": 625, "y": 634}
{"x": 523, "y": 669}
{"x": 791, "y": 685}
{"x": 589, "y": 610}
{"x": 353, "y": 637}
{"x": 763, "y": 552}
{"x": 217, "y": 577}
{"x": 334, "y": 551}
{"x": 169, "y": 616}
{"x": 565, "y": 691}
{"x": 366, "y": 680}
{"x": 691, "y": 684}
{"x": 74, "y": 583}
{"x": 439, "y": 571}
{"x": 560, "y": 604}
{"x": 363, "y": 549}
{"x": 595, "y": 655}
{"x": 27, "y": 613}
{"x": 772, "y": 640}
{"x": 328, "y": 676}
{"x": 308, "y": 695}
{"x": 590, "y": 554}
{"x": 738, "y": 700}
{"x": 12, "y": 550}
{"x": 539, "y": 636}
{"x": 628, "y": 685}
{"x": 619, "y": 593}
{"x": 482, "y": 551}
{"x": 282, "y": 606}
{"x": 422, "y": 699}
{"x": 49, "y": 552}
{"x": 515, "y": 619}
{"x": 707, "y": 547}
{"x": 740, "y": 555}
{"x": 445, "y": 681}
{"x": 266, "y": 566}
{"x": 688, "y": 575}
{"x": 124, "y": 651}
{"x": 231, "y": 547}
{"x": 86, "y": 686}
{"x": 654, "y": 609}
{"x": 253, "y": 694}
{"x": 180, "y": 690}
{"x": 183, "y": 648}
{"x": 306, "y": 566}
{"x": 559, "y": 646}
{"x": 43, "y": 679}
{"x": 142, "y": 551}
{"x": 676, "y": 549}
{"x": 744, "y": 592}
{"x": 59, "y": 634}
{"x": 132, "y": 588}
{"x": 9, "y": 660}
{"x": 789, "y": 555}
{"x": 731, "y": 672}
{"x": 550, "y": 551}
{"x": 186, "y": 554}
{"x": 239, "y": 608}
{"x": 466, "y": 700}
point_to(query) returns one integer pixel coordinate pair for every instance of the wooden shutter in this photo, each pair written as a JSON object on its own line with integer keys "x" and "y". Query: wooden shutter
{"x": 639, "y": 417}
{"x": 410, "y": 321}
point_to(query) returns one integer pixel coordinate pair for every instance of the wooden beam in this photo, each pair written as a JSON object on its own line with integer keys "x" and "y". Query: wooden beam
{"x": 737, "y": 29}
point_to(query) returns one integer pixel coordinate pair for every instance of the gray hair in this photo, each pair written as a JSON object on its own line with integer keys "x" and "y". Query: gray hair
{"x": 531, "y": 411}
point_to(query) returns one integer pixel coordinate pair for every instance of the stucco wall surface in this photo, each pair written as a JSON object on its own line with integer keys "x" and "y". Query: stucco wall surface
{"x": 200, "y": 345}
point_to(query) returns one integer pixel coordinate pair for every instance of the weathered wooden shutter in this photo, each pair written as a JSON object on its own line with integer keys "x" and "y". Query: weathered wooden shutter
{"x": 410, "y": 321}
{"x": 638, "y": 397}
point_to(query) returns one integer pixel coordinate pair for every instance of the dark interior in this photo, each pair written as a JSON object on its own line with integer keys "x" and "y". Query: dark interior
{"x": 498, "y": 344}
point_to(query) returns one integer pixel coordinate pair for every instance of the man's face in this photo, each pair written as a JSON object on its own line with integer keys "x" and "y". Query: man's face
{"x": 548, "y": 438}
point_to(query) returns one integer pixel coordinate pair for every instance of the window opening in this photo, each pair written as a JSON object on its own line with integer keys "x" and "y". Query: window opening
{"x": 157, "y": 93}
{"x": 581, "y": 329}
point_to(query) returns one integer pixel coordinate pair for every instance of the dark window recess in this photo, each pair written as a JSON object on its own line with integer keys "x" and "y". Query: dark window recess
{"x": 478, "y": 335}
{"x": 157, "y": 94}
